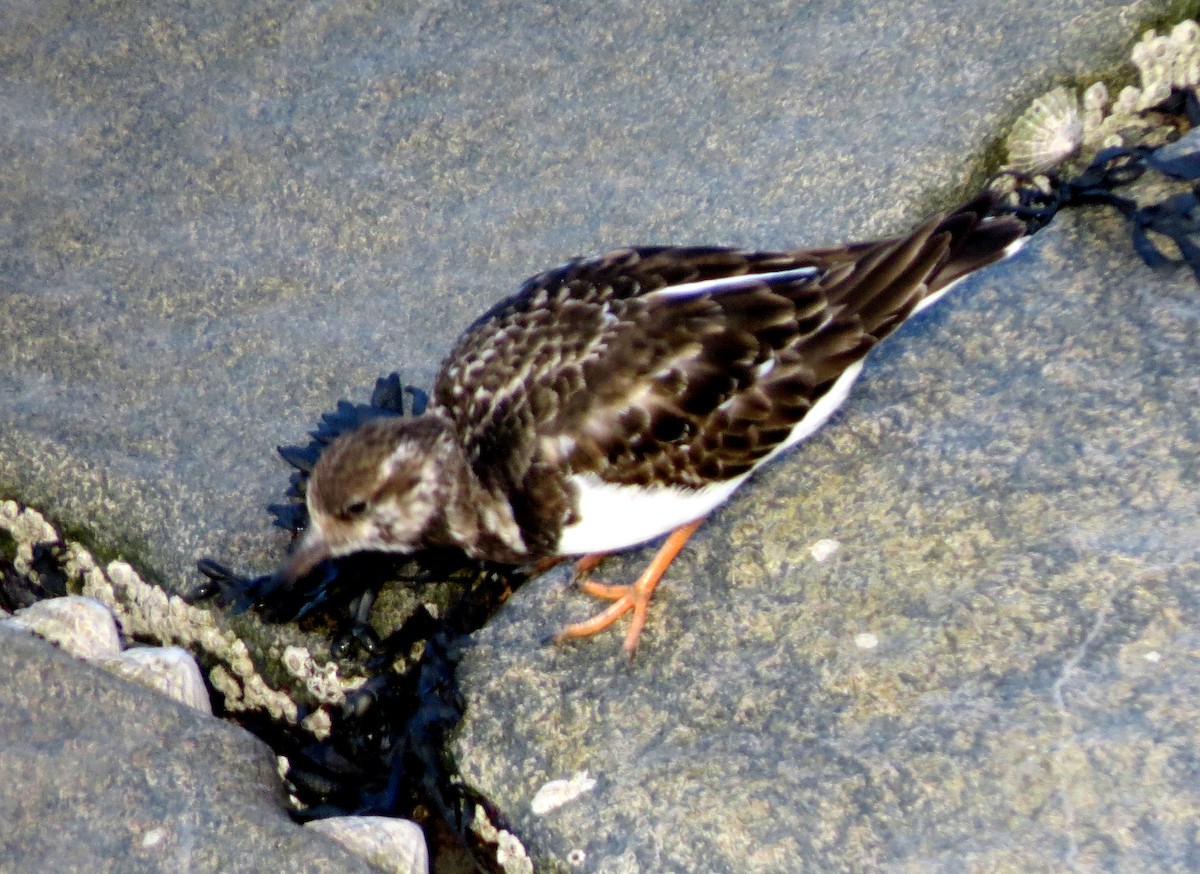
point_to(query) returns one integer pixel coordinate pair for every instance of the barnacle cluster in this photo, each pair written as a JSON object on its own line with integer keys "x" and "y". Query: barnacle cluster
{"x": 1166, "y": 63}
{"x": 510, "y": 854}
{"x": 1060, "y": 125}
{"x": 147, "y": 612}
{"x": 116, "y": 605}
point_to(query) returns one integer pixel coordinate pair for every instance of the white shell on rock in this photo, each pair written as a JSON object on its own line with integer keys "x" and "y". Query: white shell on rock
{"x": 1095, "y": 108}
{"x": 866, "y": 640}
{"x": 556, "y": 793}
{"x": 1047, "y": 133}
{"x": 824, "y": 548}
{"x": 167, "y": 669}
{"x": 390, "y": 844}
{"x": 81, "y": 626}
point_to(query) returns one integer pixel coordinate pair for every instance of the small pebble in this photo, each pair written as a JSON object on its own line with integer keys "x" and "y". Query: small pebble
{"x": 822, "y": 549}
{"x": 167, "y": 669}
{"x": 390, "y": 844}
{"x": 866, "y": 640}
{"x": 81, "y": 626}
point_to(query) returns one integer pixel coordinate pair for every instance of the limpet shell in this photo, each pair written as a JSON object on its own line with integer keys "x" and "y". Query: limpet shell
{"x": 1047, "y": 133}
{"x": 556, "y": 793}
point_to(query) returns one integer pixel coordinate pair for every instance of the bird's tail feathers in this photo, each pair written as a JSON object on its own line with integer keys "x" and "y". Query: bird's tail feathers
{"x": 978, "y": 236}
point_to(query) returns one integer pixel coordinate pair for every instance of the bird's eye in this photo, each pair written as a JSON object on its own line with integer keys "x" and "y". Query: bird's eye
{"x": 356, "y": 508}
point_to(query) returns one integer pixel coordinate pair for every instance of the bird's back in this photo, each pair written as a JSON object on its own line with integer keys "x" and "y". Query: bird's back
{"x": 688, "y": 365}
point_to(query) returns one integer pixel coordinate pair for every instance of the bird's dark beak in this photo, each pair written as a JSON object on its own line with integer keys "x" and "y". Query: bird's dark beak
{"x": 311, "y": 552}
{"x": 299, "y": 585}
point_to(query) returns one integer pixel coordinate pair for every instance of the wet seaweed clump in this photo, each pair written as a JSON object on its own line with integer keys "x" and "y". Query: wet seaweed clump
{"x": 1069, "y": 149}
{"x": 383, "y": 751}
{"x": 42, "y": 577}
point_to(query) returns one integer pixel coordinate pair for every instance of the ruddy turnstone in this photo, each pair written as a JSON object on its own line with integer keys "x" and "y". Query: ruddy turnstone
{"x": 623, "y": 397}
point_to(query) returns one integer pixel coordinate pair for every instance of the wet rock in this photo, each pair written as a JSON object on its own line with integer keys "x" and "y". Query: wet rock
{"x": 996, "y": 669}
{"x": 103, "y": 775}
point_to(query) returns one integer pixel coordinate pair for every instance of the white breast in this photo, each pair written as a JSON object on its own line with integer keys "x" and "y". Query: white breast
{"x": 613, "y": 517}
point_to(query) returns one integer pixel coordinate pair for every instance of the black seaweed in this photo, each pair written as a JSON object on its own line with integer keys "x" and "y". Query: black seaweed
{"x": 1177, "y": 218}
{"x": 386, "y": 752}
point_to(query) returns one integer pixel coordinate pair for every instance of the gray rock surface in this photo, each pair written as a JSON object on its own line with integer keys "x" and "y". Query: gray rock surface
{"x": 217, "y": 220}
{"x": 102, "y": 775}
{"x": 997, "y": 669}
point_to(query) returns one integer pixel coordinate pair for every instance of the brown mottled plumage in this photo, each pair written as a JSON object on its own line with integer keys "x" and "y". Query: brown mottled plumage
{"x": 620, "y": 397}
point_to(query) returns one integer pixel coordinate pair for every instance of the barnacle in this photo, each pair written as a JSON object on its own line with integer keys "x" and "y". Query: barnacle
{"x": 1166, "y": 63}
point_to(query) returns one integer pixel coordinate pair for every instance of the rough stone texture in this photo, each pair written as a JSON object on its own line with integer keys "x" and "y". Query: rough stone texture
{"x": 217, "y": 219}
{"x": 1013, "y": 486}
{"x": 102, "y": 775}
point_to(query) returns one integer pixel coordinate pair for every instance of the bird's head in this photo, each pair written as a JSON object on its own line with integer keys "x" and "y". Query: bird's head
{"x": 377, "y": 488}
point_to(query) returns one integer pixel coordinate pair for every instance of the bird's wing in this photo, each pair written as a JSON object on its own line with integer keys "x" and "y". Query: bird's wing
{"x": 686, "y": 365}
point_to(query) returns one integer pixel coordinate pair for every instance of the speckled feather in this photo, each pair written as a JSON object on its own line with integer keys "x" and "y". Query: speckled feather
{"x": 654, "y": 369}
{"x": 598, "y": 367}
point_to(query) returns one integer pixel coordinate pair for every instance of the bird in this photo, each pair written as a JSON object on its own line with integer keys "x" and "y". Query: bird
{"x": 623, "y": 397}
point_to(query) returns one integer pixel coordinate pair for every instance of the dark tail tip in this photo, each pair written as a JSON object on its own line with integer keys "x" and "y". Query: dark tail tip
{"x": 981, "y": 233}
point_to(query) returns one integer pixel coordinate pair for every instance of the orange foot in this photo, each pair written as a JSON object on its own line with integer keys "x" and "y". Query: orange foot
{"x": 626, "y": 598}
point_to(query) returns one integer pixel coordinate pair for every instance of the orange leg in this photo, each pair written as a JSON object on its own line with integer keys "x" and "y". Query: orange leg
{"x": 626, "y": 598}
{"x": 589, "y": 563}
{"x": 544, "y": 564}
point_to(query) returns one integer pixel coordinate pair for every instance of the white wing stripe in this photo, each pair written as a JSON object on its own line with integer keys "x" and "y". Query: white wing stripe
{"x": 730, "y": 283}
